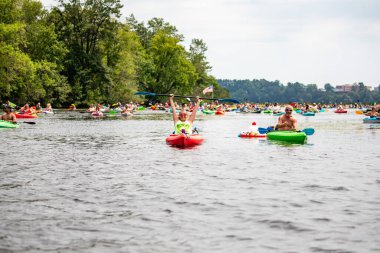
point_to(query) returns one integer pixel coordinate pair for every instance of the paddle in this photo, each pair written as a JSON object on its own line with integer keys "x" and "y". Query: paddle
{"x": 29, "y": 122}
{"x": 226, "y": 100}
{"x": 307, "y": 131}
{"x": 359, "y": 112}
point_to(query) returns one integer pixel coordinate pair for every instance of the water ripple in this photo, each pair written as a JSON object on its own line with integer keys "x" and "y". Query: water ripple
{"x": 74, "y": 184}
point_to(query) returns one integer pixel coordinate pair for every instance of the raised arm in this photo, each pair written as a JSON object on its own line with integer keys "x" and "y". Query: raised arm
{"x": 194, "y": 112}
{"x": 175, "y": 117}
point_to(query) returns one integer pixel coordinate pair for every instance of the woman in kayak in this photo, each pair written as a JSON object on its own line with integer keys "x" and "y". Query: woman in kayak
{"x": 48, "y": 108}
{"x": 8, "y": 115}
{"x": 181, "y": 122}
{"x": 287, "y": 122}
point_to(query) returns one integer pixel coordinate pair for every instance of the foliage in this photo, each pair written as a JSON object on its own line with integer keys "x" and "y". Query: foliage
{"x": 267, "y": 91}
{"x": 29, "y": 53}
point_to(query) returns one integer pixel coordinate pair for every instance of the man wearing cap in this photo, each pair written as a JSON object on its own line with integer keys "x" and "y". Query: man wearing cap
{"x": 287, "y": 122}
{"x": 8, "y": 115}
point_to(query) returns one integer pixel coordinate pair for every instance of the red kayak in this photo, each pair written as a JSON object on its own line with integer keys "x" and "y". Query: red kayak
{"x": 183, "y": 140}
{"x": 25, "y": 116}
{"x": 219, "y": 113}
{"x": 250, "y": 135}
{"x": 340, "y": 111}
{"x": 97, "y": 114}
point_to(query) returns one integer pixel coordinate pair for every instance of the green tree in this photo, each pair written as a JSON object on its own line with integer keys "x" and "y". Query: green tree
{"x": 172, "y": 71}
{"x": 83, "y": 26}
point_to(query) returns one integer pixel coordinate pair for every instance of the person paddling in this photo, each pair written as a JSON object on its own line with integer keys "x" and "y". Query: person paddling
{"x": 373, "y": 113}
{"x": 287, "y": 122}
{"x": 181, "y": 122}
{"x": 8, "y": 115}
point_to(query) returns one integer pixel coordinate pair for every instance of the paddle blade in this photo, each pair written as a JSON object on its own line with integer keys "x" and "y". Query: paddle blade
{"x": 29, "y": 122}
{"x": 229, "y": 100}
{"x": 359, "y": 112}
{"x": 308, "y": 131}
{"x": 263, "y": 130}
{"x": 143, "y": 93}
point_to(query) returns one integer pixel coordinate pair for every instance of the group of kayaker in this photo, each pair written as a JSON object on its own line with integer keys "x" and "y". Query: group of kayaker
{"x": 12, "y": 112}
{"x": 183, "y": 123}
{"x": 99, "y": 109}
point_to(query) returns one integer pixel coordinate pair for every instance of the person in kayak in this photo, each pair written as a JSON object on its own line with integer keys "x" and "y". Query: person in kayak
{"x": 373, "y": 113}
{"x": 8, "y": 115}
{"x": 287, "y": 122}
{"x": 48, "y": 107}
{"x": 181, "y": 122}
{"x": 91, "y": 108}
{"x": 25, "y": 109}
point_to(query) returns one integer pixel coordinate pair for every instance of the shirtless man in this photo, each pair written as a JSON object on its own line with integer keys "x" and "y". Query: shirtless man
{"x": 287, "y": 122}
{"x": 9, "y": 115}
{"x": 373, "y": 113}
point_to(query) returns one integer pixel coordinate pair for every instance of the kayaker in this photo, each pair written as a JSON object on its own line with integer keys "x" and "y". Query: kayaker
{"x": 25, "y": 109}
{"x": 287, "y": 122}
{"x": 91, "y": 108}
{"x": 181, "y": 122}
{"x": 373, "y": 113}
{"x": 48, "y": 107}
{"x": 276, "y": 108}
{"x": 38, "y": 107}
{"x": 98, "y": 111}
{"x": 8, "y": 115}
{"x": 128, "y": 110}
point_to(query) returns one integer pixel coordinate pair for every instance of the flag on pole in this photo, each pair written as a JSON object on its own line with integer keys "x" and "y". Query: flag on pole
{"x": 208, "y": 89}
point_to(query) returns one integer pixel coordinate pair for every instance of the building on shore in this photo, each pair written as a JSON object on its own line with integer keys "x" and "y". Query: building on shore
{"x": 349, "y": 87}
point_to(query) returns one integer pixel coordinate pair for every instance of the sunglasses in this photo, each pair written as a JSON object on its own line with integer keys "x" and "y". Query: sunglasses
{"x": 288, "y": 110}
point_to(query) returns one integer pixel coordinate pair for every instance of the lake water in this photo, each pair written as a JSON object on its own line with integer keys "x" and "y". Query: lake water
{"x": 70, "y": 183}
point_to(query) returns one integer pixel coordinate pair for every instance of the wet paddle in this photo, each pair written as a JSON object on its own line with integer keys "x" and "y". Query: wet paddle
{"x": 223, "y": 100}
{"x": 359, "y": 112}
{"x": 29, "y": 122}
{"x": 307, "y": 131}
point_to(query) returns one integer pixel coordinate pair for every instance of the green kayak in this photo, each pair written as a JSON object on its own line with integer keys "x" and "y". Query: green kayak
{"x": 208, "y": 112}
{"x": 6, "y": 124}
{"x": 290, "y": 136}
{"x": 268, "y": 111}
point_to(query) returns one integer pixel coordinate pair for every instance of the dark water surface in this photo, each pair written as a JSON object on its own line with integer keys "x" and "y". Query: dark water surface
{"x": 74, "y": 184}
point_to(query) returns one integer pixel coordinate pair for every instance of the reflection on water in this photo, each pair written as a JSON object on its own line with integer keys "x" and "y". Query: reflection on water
{"x": 71, "y": 183}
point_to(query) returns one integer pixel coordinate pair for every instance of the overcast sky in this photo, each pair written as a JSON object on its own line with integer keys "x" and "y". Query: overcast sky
{"x": 309, "y": 41}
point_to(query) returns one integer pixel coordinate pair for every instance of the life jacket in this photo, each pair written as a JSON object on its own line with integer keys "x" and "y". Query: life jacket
{"x": 182, "y": 125}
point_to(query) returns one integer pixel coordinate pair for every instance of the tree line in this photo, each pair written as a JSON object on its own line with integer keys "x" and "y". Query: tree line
{"x": 273, "y": 91}
{"x": 83, "y": 52}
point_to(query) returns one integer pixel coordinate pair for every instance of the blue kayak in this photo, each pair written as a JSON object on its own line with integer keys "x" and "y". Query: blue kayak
{"x": 308, "y": 114}
{"x": 371, "y": 120}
